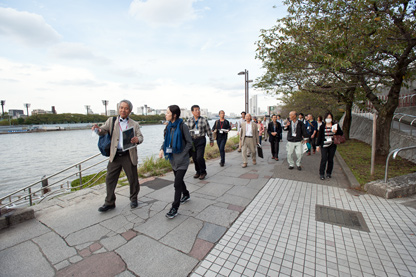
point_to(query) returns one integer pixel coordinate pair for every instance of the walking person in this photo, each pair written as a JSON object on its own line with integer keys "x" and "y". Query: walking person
{"x": 275, "y": 131}
{"x": 121, "y": 158}
{"x": 199, "y": 128}
{"x": 175, "y": 148}
{"x": 296, "y": 136}
{"x": 265, "y": 124}
{"x": 311, "y": 129}
{"x": 222, "y": 127}
{"x": 326, "y": 144}
{"x": 240, "y": 122}
{"x": 261, "y": 128}
{"x": 319, "y": 120}
{"x": 302, "y": 118}
{"x": 250, "y": 138}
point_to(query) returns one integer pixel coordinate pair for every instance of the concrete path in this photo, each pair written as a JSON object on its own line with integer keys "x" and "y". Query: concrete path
{"x": 258, "y": 220}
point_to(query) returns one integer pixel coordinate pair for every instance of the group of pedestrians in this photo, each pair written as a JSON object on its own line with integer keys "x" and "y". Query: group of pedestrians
{"x": 184, "y": 140}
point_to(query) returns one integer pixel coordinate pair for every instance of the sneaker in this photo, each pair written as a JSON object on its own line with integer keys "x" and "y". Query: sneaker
{"x": 196, "y": 175}
{"x": 328, "y": 176}
{"x": 322, "y": 177}
{"x": 309, "y": 153}
{"x": 172, "y": 213}
{"x": 185, "y": 198}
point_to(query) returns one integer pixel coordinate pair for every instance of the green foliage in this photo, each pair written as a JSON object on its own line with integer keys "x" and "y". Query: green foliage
{"x": 89, "y": 180}
{"x": 154, "y": 167}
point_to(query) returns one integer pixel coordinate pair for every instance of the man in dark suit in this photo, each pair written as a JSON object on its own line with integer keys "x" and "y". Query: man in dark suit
{"x": 275, "y": 130}
{"x": 121, "y": 158}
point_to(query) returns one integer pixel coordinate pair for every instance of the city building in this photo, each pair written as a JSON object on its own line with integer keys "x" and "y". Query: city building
{"x": 253, "y": 109}
{"x": 111, "y": 112}
{"x": 16, "y": 113}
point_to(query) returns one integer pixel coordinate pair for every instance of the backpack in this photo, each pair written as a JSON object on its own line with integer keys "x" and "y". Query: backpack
{"x": 104, "y": 142}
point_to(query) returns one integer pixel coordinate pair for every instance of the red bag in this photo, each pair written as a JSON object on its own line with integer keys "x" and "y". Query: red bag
{"x": 338, "y": 139}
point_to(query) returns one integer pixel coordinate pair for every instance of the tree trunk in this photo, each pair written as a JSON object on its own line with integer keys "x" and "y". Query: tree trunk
{"x": 346, "y": 126}
{"x": 383, "y": 133}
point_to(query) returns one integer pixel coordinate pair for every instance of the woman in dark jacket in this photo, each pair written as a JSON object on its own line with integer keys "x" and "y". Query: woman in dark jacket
{"x": 326, "y": 144}
{"x": 176, "y": 148}
{"x": 222, "y": 126}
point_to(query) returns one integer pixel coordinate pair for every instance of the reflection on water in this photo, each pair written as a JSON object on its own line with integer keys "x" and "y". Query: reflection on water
{"x": 26, "y": 157}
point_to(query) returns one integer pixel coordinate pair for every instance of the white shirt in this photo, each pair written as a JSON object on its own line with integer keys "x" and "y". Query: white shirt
{"x": 249, "y": 129}
{"x": 239, "y": 123}
{"x": 123, "y": 126}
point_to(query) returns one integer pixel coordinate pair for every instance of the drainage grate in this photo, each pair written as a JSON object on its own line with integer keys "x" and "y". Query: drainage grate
{"x": 157, "y": 183}
{"x": 343, "y": 218}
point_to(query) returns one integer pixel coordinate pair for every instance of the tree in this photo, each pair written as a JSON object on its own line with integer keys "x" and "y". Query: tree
{"x": 369, "y": 44}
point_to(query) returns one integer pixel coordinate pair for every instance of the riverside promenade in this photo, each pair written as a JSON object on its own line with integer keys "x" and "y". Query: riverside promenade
{"x": 263, "y": 220}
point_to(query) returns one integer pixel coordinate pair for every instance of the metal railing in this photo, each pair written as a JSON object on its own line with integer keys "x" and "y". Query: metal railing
{"x": 394, "y": 153}
{"x": 30, "y": 195}
{"x": 400, "y": 116}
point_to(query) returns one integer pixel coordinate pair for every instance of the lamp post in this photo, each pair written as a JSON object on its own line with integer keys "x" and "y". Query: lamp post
{"x": 87, "y": 107}
{"x": 27, "y": 105}
{"x": 3, "y": 102}
{"x": 105, "y": 103}
{"x": 246, "y": 82}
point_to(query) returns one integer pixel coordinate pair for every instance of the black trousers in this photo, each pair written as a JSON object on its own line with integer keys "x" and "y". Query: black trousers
{"x": 198, "y": 155}
{"x": 221, "y": 145}
{"x": 113, "y": 173}
{"x": 327, "y": 156}
{"x": 274, "y": 145}
{"x": 180, "y": 187}
{"x": 313, "y": 142}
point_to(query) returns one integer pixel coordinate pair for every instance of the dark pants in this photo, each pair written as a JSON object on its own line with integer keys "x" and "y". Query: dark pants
{"x": 113, "y": 173}
{"x": 327, "y": 155}
{"x": 260, "y": 137}
{"x": 180, "y": 187}
{"x": 274, "y": 145}
{"x": 312, "y": 141}
{"x": 221, "y": 145}
{"x": 198, "y": 155}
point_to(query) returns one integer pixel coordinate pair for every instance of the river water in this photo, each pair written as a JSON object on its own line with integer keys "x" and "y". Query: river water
{"x": 26, "y": 157}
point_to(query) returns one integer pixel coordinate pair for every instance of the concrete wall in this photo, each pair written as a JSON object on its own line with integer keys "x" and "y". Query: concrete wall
{"x": 362, "y": 129}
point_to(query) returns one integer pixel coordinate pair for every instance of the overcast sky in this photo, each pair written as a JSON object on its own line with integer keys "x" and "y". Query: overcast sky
{"x": 73, "y": 53}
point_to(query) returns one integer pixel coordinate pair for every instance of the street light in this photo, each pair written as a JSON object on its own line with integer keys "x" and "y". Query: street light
{"x": 87, "y": 107}
{"x": 3, "y": 102}
{"x": 105, "y": 103}
{"x": 27, "y": 105}
{"x": 246, "y": 81}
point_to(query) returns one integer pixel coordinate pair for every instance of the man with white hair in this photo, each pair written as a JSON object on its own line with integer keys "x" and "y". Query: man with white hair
{"x": 249, "y": 135}
{"x": 120, "y": 157}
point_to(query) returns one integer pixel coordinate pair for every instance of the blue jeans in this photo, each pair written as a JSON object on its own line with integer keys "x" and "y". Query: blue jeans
{"x": 221, "y": 145}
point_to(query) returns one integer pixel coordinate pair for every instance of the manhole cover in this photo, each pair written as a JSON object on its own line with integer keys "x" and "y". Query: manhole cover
{"x": 157, "y": 183}
{"x": 343, "y": 218}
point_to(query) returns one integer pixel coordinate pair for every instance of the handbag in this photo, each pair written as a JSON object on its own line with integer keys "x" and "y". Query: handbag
{"x": 338, "y": 139}
{"x": 104, "y": 142}
{"x": 259, "y": 151}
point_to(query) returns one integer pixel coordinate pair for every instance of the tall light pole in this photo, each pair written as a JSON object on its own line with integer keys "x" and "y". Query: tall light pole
{"x": 246, "y": 82}
{"x": 27, "y": 105}
{"x": 87, "y": 107}
{"x": 3, "y": 102}
{"x": 105, "y": 103}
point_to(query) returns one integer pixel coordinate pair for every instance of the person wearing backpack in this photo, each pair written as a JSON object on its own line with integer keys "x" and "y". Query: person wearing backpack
{"x": 120, "y": 158}
{"x": 175, "y": 148}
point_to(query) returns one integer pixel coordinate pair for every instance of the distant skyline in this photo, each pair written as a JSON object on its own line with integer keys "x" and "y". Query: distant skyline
{"x": 69, "y": 54}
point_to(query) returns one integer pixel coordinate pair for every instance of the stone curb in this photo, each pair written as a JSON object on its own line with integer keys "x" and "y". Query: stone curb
{"x": 401, "y": 186}
{"x": 15, "y": 217}
{"x": 354, "y": 184}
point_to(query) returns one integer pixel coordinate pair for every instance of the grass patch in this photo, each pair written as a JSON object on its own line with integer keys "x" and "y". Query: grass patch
{"x": 153, "y": 166}
{"x": 357, "y": 155}
{"x": 214, "y": 152}
{"x": 88, "y": 180}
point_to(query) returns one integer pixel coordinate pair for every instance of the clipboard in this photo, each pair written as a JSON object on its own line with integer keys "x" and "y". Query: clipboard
{"x": 128, "y": 134}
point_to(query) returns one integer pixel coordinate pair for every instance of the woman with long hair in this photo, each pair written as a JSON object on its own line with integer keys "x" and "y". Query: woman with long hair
{"x": 326, "y": 144}
{"x": 175, "y": 148}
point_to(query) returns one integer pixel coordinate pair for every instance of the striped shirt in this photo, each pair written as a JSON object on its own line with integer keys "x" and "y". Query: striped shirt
{"x": 329, "y": 136}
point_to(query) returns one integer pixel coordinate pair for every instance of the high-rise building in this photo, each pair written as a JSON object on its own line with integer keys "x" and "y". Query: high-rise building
{"x": 253, "y": 105}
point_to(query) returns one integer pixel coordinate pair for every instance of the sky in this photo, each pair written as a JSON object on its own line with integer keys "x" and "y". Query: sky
{"x": 69, "y": 54}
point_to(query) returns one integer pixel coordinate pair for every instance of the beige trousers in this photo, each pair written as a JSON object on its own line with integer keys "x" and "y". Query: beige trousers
{"x": 294, "y": 147}
{"x": 251, "y": 145}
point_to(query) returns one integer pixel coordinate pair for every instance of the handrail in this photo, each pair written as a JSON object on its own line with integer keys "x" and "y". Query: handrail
{"x": 26, "y": 194}
{"x": 394, "y": 153}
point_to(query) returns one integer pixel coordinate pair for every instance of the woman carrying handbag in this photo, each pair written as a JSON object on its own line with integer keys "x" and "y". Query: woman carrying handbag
{"x": 327, "y": 132}
{"x": 221, "y": 128}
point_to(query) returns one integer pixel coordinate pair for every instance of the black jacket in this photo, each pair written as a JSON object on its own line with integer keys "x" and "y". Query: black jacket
{"x": 278, "y": 130}
{"x": 300, "y": 132}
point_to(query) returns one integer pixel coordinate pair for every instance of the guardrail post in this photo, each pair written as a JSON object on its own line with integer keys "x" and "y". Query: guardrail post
{"x": 45, "y": 184}
{"x": 80, "y": 176}
{"x": 30, "y": 196}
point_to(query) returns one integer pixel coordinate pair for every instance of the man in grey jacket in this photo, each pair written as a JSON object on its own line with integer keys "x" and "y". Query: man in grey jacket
{"x": 120, "y": 157}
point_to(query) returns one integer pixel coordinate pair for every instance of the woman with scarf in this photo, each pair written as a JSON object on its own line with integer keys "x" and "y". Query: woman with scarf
{"x": 175, "y": 148}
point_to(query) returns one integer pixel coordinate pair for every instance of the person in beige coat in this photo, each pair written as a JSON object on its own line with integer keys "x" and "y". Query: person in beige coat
{"x": 121, "y": 158}
{"x": 249, "y": 134}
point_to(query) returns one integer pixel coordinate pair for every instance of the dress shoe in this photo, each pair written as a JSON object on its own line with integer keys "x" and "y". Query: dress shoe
{"x": 197, "y": 175}
{"x": 202, "y": 177}
{"x": 244, "y": 165}
{"x": 105, "y": 208}
{"x": 134, "y": 204}
{"x": 222, "y": 164}
{"x": 299, "y": 168}
{"x": 254, "y": 162}
{"x": 290, "y": 167}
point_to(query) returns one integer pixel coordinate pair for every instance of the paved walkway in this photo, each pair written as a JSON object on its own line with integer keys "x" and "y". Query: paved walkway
{"x": 256, "y": 221}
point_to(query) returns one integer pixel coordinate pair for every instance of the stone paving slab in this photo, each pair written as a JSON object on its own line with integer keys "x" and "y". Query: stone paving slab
{"x": 183, "y": 236}
{"x": 54, "y": 247}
